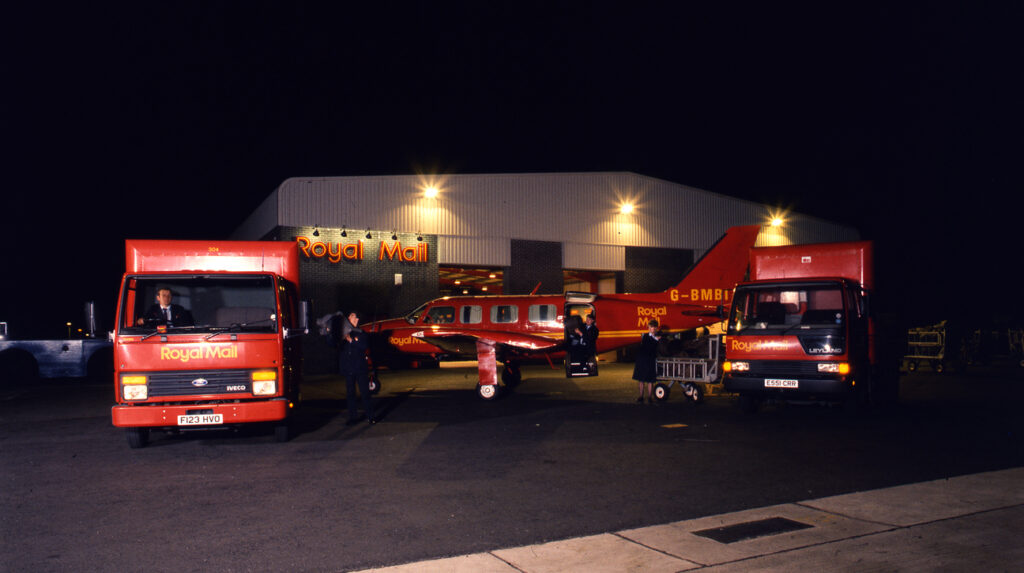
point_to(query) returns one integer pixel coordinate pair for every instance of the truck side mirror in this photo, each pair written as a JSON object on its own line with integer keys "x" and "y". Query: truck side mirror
{"x": 303, "y": 320}
{"x": 305, "y": 315}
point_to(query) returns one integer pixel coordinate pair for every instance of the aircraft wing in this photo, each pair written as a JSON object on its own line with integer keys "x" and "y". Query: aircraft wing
{"x": 518, "y": 340}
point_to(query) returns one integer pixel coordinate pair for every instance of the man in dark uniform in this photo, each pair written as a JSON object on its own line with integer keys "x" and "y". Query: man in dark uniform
{"x": 584, "y": 344}
{"x": 353, "y": 366}
{"x": 164, "y": 312}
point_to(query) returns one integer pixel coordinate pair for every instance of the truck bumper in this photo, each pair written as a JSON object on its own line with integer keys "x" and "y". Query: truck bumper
{"x": 159, "y": 415}
{"x": 805, "y": 388}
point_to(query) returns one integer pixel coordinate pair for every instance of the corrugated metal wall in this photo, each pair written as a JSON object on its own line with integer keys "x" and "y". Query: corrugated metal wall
{"x": 475, "y": 216}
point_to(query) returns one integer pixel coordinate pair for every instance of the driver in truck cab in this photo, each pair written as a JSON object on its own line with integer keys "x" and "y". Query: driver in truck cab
{"x": 164, "y": 312}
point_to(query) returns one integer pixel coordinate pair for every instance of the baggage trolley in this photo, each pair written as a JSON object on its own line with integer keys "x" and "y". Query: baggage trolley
{"x": 692, "y": 374}
{"x": 926, "y": 344}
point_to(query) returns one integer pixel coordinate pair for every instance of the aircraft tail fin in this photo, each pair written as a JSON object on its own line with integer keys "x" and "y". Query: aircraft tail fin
{"x": 719, "y": 269}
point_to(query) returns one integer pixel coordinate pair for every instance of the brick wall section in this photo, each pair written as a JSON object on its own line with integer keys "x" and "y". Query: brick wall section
{"x": 533, "y": 262}
{"x": 652, "y": 269}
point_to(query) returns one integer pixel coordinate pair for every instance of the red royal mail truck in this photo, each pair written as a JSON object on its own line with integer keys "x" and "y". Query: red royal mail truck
{"x": 802, "y": 328}
{"x": 208, "y": 336}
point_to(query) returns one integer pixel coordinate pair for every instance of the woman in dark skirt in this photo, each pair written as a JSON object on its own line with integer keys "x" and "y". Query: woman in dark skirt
{"x": 645, "y": 372}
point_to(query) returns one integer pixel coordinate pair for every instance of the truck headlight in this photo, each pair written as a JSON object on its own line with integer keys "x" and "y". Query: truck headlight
{"x": 834, "y": 367}
{"x": 134, "y": 388}
{"x": 264, "y": 383}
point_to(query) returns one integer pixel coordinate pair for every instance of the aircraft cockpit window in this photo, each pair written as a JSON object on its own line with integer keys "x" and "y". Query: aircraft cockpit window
{"x": 471, "y": 314}
{"x": 543, "y": 313}
{"x": 505, "y": 313}
{"x": 440, "y": 315}
{"x": 414, "y": 316}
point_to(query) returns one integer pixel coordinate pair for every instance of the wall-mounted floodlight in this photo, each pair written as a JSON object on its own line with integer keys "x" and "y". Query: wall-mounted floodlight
{"x": 626, "y": 208}
{"x": 777, "y": 221}
{"x": 430, "y": 192}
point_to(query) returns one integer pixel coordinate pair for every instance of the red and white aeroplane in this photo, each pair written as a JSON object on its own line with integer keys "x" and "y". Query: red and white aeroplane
{"x": 509, "y": 328}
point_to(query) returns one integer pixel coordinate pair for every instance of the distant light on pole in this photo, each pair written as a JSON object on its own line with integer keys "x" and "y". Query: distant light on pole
{"x": 69, "y": 330}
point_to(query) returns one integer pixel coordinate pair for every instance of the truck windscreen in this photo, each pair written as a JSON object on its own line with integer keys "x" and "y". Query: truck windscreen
{"x": 199, "y": 303}
{"x": 787, "y": 307}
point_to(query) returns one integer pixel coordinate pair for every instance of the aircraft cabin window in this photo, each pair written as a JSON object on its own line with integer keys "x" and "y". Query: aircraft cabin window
{"x": 471, "y": 315}
{"x": 504, "y": 313}
{"x": 543, "y": 313}
{"x": 440, "y": 315}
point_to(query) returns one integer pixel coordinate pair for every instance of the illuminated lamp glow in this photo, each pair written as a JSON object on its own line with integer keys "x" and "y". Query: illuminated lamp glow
{"x": 626, "y": 208}
{"x": 430, "y": 192}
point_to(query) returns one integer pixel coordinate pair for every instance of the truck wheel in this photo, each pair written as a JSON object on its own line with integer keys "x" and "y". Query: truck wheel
{"x": 912, "y": 366}
{"x": 137, "y": 437}
{"x": 487, "y": 391}
{"x": 282, "y": 432}
{"x": 374, "y": 383}
{"x": 748, "y": 404}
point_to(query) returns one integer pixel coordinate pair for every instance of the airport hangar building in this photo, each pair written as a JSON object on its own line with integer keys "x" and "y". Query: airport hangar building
{"x": 383, "y": 245}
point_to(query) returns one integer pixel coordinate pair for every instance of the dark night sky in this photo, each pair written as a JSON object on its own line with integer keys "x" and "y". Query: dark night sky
{"x": 900, "y": 121}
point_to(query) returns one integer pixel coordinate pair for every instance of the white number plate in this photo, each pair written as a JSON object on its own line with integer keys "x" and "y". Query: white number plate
{"x": 777, "y": 383}
{"x": 200, "y": 419}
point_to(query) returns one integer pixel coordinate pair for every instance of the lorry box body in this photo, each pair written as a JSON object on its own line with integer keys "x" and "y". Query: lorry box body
{"x": 852, "y": 260}
{"x": 233, "y": 355}
{"x": 801, "y": 328}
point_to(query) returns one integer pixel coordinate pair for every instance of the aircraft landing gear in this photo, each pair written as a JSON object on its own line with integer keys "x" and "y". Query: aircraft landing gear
{"x": 487, "y": 391}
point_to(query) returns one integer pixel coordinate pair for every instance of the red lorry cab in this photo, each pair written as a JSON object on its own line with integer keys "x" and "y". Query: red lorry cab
{"x": 801, "y": 328}
{"x": 229, "y": 353}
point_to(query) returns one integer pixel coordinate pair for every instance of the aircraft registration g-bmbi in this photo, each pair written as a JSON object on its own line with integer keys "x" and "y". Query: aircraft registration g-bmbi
{"x": 509, "y": 328}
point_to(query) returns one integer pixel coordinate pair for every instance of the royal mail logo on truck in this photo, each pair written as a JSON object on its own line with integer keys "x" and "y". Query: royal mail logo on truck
{"x": 218, "y": 352}
{"x": 737, "y": 344}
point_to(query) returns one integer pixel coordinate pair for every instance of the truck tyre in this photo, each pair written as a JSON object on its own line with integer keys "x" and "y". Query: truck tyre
{"x": 282, "y": 432}
{"x": 661, "y": 392}
{"x": 912, "y": 366}
{"x": 748, "y": 404}
{"x": 374, "y": 383}
{"x": 137, "y": 437}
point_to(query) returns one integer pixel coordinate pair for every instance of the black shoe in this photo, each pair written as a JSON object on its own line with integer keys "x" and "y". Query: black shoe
{"x": 372, "y": 421}
{"x": 640, "y": 400}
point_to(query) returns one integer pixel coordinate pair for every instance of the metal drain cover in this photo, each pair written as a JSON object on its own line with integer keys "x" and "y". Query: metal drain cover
{"x": 752, "y": 529}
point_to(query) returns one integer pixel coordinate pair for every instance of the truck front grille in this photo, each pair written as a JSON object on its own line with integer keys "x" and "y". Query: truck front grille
{"x": 784, "y": 369}
{"x": 190, "y": 383}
